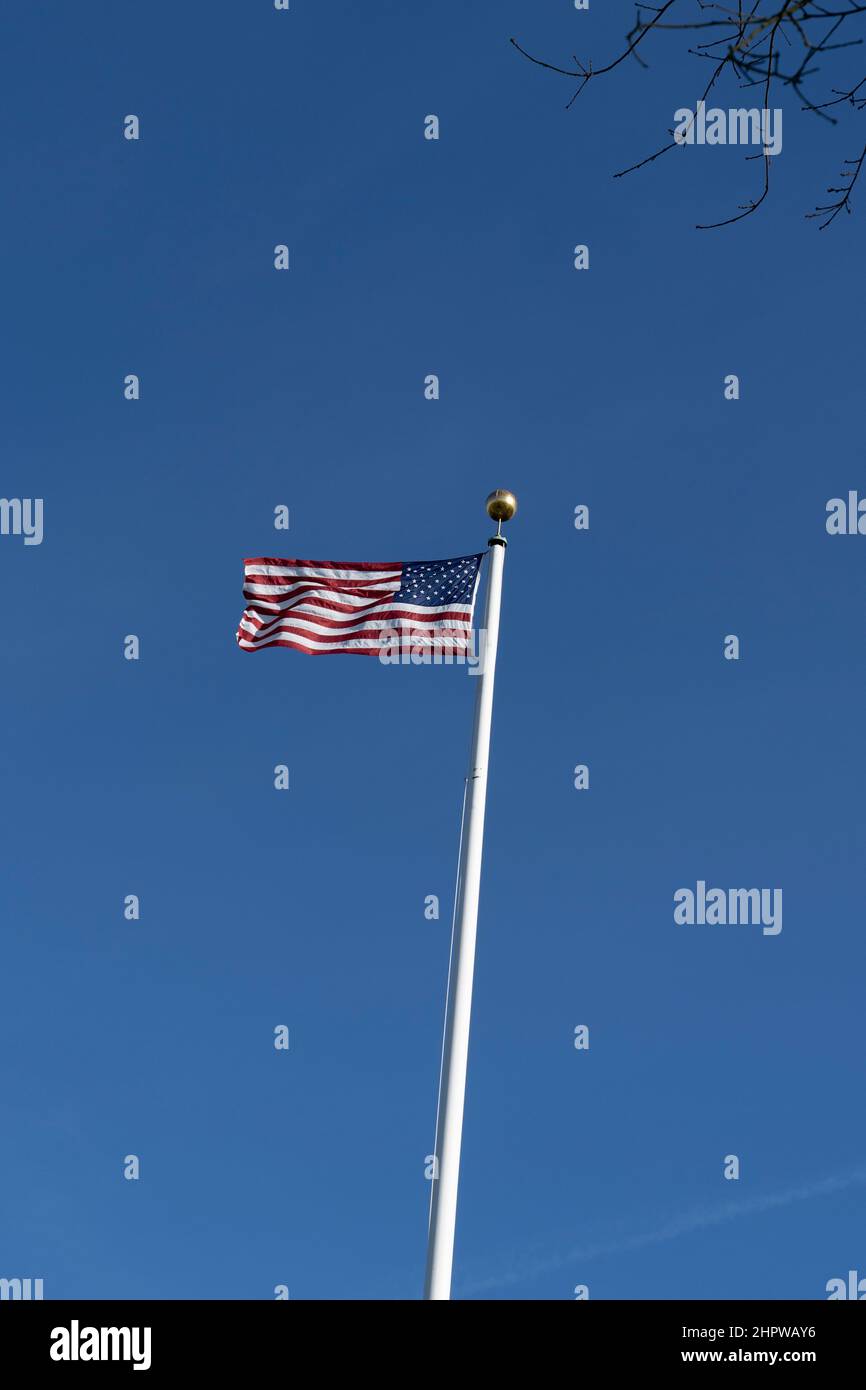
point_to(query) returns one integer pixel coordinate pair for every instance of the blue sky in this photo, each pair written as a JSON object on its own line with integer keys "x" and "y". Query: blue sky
{"x": 306, "y": 908}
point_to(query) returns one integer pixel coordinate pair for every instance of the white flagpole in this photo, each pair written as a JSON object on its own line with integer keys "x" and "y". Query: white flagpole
{"x": 501, "y": 506}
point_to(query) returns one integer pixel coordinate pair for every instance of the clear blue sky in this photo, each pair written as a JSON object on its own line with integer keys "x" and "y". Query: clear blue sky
{"x": 604, "y": 387}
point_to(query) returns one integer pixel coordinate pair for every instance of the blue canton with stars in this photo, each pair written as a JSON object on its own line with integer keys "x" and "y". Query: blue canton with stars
{"x": 433, "y": 583}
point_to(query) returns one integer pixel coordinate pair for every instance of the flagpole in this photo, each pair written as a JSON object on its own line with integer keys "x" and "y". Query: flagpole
{"x": 501, "y": 506}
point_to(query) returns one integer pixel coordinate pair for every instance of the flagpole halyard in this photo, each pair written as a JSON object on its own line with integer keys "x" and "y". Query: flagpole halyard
{"x": 501, "y": 506}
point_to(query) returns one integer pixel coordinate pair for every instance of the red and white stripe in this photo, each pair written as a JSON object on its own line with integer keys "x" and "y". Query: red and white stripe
{"x": 319, "y": 606}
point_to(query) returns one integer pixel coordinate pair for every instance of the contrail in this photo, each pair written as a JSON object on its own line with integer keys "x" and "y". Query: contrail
{"x": 698, "y": 1219}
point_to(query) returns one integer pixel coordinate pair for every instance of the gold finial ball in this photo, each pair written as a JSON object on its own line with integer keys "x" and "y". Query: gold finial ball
{"x": 501, "y": 505}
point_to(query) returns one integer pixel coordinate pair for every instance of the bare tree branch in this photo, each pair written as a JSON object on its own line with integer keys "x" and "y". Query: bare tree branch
{"x": 746, "y": 43}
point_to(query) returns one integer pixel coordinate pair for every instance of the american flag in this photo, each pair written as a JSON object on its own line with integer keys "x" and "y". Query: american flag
{"x": 319, "y": 606}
